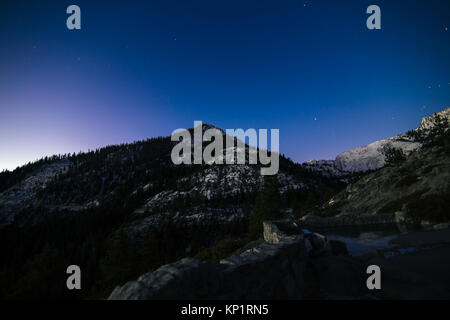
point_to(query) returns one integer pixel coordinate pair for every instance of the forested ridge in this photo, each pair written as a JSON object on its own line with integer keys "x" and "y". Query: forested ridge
{"x": 81, "y": 214}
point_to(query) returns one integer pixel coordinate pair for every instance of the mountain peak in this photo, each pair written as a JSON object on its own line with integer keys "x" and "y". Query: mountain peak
{"x": 431, "y": 121}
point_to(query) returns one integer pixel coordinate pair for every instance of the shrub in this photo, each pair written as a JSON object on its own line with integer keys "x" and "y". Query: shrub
{"x": 407, "y": 181}
{"x": 391, "y": 207}
{"x": 393, "y": 156}
{"x": 330, "y": 211}
{"x": 397, "y": 205}
{"x": 427, "y": 170}
{"x": 433, "y": 208}
{"x": 267, "y": 206}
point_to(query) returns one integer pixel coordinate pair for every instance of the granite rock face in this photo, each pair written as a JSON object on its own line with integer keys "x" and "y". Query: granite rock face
{"x": 384, "y": 196}
{"x": 23, "y": 193}
{"x": 431, "y": 121}
{"x": 185, "y": 279}
{"x": 370, "y": 157}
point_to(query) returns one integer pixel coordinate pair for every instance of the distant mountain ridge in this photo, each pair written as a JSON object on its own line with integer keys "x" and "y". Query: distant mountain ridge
{"x": 79, "y": 182}
{"x": 142, "y": 173}
{"x": 123, "y": 210}
{"x": 370, "y": 157}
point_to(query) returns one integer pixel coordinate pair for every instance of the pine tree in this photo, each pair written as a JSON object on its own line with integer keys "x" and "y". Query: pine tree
{"x": 119, "y": 264}
{"x": 267, "y": 206}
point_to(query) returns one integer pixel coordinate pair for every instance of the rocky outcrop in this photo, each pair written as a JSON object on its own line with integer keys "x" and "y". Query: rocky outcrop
{"x": 15, "y": 198}
{"x": 188, "y": 203}
{"x": 327, "y": 168}
{"x": 346, "y": 220}
{"x": 430, "y": 122}
{"x": 277, "y": 268}
{"x": 414, "y": 191}
{"x": 370, "y": 157}
{"x": 218, "y": 181}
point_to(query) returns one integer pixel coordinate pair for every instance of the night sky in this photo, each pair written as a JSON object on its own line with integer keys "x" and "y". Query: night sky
{"x": 140, "y": 69}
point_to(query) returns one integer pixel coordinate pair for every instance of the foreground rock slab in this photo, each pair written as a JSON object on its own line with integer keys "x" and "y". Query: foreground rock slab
{"x": 277, "y": 268}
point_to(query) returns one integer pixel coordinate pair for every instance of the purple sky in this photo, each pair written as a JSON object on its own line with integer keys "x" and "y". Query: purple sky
{"x": 146, "y": 68}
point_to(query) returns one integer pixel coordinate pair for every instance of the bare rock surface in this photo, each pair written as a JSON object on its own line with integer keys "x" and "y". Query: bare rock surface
{"x": 370, "y": 157}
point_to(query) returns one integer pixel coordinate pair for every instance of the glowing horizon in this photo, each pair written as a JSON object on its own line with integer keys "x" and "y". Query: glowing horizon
{"x": 142, "y": 70}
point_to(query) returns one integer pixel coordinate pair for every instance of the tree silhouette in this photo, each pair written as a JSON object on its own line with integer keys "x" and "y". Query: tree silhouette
{"x": 267, "y": 206}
